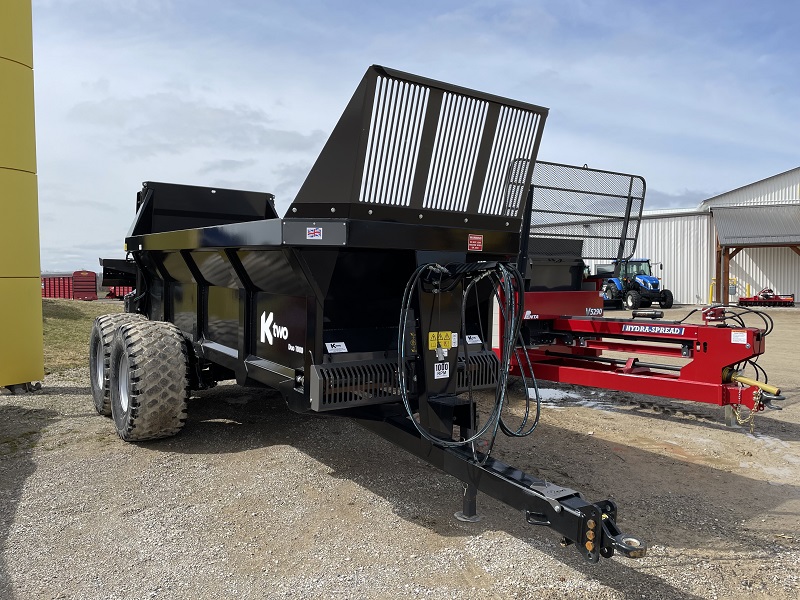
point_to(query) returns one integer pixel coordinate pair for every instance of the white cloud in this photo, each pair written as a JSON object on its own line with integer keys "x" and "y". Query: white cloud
{"x": 225, "y": 166}
{"x": 169, "y": 123}
{"x": 243, "y": 93}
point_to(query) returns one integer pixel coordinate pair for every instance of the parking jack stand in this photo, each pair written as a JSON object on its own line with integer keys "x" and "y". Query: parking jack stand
{"x": 469, "y": 510}
{"x": 469, "y": 507}
{"x": 730, "y": 417}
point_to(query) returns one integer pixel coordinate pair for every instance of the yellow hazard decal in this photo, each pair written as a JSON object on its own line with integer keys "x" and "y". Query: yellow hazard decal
{"x": 440, "y": 339}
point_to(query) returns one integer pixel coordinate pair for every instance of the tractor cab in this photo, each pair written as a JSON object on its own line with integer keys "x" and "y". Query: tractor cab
{"x": 637, "y": 267}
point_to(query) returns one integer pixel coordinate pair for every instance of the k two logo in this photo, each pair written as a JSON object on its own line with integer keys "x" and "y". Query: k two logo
{"x": 270, "y": 330}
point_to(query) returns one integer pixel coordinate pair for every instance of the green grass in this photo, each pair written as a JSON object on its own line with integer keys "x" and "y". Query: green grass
{"x": 67, "y": 326}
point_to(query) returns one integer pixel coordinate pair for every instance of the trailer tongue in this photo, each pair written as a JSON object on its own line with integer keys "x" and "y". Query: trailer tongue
{"x": 369, "y": 299}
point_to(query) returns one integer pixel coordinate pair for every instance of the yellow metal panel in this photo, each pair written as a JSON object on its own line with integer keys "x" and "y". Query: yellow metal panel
{"x": 21, "y": 352}
{"x": 19, "y": 242}
{"x": 16, "y": 36}
{"x": 17, "y": 134}
{"x": 21, "y": 348}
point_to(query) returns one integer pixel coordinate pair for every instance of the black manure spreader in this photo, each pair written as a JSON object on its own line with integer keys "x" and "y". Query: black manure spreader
{"x": 371, "y": 298}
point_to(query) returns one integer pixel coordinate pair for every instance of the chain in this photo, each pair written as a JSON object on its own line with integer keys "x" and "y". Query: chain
{"x": 751, "y": 417}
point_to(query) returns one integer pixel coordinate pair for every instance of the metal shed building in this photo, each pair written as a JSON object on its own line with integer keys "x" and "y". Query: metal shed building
{"x": 755, "y": 229}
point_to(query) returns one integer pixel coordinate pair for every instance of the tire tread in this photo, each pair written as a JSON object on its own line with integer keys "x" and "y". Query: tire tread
{"x": 104, "y": 328}
{"x": 159, "y": 380}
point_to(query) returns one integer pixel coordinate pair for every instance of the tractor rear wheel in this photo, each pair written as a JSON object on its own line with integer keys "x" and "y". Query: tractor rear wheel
{"x": 610, "y": 292}
{"x": 100, "y": 356}
{"x": 149, "y": 380}
{"x": 666, "y": 299}
{"x": 633, "y": 300}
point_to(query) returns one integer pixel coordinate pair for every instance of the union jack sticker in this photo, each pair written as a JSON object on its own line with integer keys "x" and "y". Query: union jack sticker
{"x": 313, "y": 233}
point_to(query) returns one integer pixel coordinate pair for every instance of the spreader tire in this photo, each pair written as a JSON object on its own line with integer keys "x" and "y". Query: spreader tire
{"x": 149, "y": 380}
{"x": 100, "y": 357}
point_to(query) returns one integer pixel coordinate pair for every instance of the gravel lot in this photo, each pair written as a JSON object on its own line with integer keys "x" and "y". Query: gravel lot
{"x": 252, "y": 501}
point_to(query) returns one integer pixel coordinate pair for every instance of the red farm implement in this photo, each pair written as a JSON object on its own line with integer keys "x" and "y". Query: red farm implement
{"x": 563, "y": 336}
{"x": 81, "y": 285}
{"x": 55, "y": 286}
{"x": 767, "y": 297}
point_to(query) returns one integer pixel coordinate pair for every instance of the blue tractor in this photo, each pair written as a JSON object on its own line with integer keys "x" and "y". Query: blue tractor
{"x": 634, "y": 285}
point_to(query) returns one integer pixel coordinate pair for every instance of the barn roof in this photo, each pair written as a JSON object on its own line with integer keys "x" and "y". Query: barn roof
{"x": 772, "y": 225}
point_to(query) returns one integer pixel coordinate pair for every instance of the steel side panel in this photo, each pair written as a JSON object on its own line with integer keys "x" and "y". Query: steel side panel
{"x": 314, "y": 232}
{"x": 647, "y": 383}
{"x": 223, "y": 317}
{"x": 360, "y": 233}
{"x": 266, "y": 234}
{"x": 216, "y": 269}
{"x": 275, "y": 271}
{"x": 19, "y": 213}
{"x": 21, "y": 345}
{"x": 573, "y": 303}
{"x": 16, "y": 33}
{"x": 420, "y": 237}
{"x": 18, "y": 139}
{"x": 281, "y": 329}
{"x": 57, "y": 287}
{"x": 712, "y": 348}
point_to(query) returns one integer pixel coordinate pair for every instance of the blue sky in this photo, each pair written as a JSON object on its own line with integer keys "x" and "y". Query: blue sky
{"x": 697, "y": 97}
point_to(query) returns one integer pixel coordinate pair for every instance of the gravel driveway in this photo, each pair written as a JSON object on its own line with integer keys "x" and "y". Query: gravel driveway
{"x": 253, "y": 501}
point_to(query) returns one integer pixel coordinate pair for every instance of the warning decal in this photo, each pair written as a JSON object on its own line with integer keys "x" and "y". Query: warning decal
{"x": 441, "y": 339}
{"x": 738, "y": 336}
{"x": 475, "y": 242}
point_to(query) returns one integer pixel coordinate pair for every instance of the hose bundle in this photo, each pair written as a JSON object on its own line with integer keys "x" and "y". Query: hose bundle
{"x": 508, "y": 291}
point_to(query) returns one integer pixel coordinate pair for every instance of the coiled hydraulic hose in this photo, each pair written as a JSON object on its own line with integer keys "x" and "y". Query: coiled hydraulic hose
{"x": 507, "y": 287}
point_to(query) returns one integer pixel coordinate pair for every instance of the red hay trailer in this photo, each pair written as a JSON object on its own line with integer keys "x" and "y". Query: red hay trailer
{"x": 84, "y": 285}
{"x": 81, "y": 285}
{"x": 57, "y": 287}
{"x": 118, "y": 292}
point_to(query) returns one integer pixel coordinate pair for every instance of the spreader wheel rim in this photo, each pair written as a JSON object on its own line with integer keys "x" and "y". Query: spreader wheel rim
{"x": 124, "y": 382}
{"x": 98, "y": 354}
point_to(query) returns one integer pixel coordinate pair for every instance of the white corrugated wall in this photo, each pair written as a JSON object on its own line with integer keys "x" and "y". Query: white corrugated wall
{"x": 684, "y": 245}
{"x": 777, "y": 189}
{"x": 774, "y": 268}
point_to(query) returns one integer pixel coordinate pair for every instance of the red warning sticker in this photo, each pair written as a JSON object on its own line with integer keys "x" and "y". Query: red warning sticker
{"x": 475, "y": 242}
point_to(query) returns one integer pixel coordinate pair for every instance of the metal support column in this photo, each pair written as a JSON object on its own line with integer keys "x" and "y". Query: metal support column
{"x": 21, "y": 352}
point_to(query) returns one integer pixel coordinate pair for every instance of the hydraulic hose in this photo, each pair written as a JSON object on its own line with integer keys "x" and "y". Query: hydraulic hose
{"x": 507, "y": 278}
